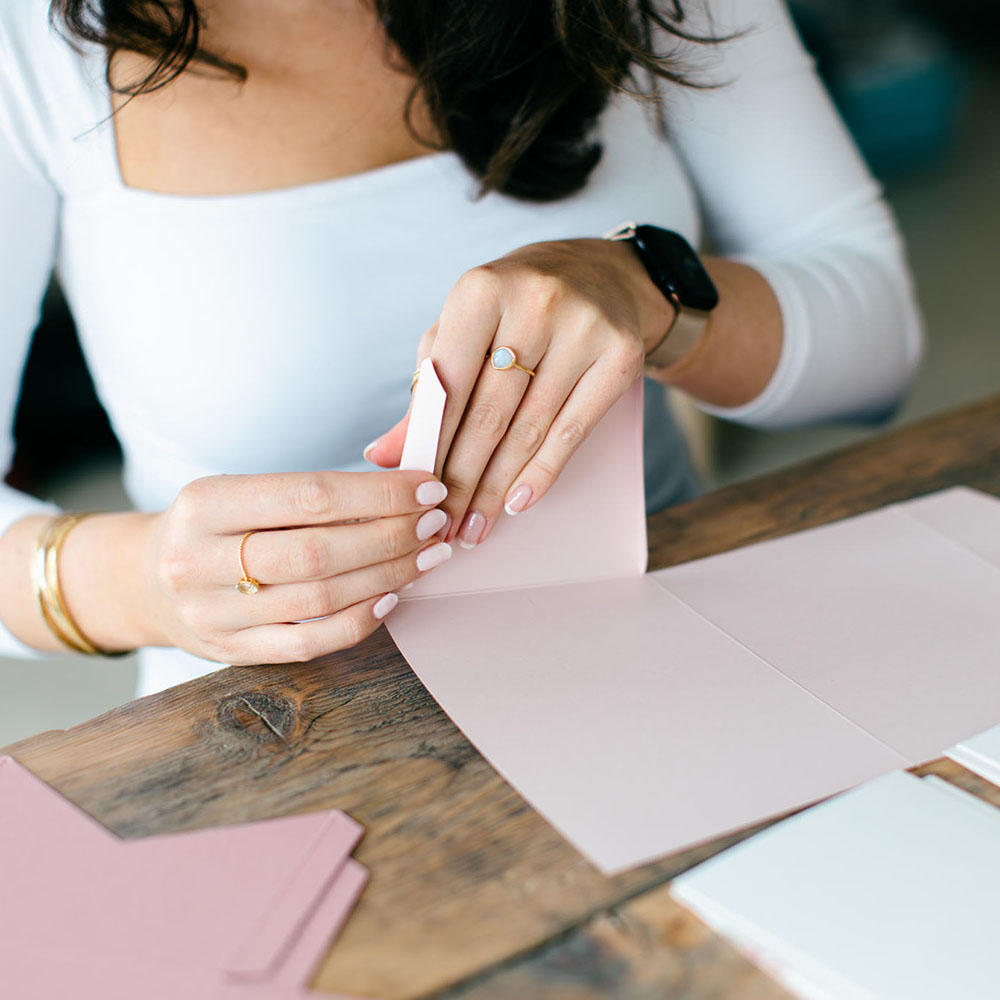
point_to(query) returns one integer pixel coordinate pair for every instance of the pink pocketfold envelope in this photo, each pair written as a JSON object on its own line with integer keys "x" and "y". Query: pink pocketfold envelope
{"x": 254, "y": 903}
{"x": 644, "y": 713}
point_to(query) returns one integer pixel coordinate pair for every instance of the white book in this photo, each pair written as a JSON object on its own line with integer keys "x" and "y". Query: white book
{"x": 980, "y": 754}
{"x": 890, "y": 891}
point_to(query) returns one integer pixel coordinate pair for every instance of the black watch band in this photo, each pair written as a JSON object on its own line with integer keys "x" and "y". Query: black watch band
{"x": 675, "y": 268}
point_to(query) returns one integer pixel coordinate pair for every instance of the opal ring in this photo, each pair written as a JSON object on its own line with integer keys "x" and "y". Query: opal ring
{"x": 504, "y": 358}
{"x": 247, "y": 585}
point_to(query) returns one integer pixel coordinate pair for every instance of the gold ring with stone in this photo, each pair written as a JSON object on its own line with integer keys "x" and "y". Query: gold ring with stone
{"x": 504, "y": 358}
{"x": 247, "y": 585}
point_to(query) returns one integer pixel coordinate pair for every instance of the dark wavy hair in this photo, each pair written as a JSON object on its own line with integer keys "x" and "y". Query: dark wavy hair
{"x": 514, "y": 87}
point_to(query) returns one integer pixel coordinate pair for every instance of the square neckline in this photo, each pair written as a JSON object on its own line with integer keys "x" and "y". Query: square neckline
{"x": 376, "y": 178}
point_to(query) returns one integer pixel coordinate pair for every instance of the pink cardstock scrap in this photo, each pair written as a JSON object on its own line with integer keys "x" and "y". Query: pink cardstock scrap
{"x": 35, "y": 972}
{"x": 642, "y": 714}
{"x": 309, "y": 946}
{"x": 236, "y": 900}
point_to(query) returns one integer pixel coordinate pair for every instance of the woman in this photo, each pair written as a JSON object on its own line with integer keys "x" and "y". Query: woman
{"x": 291, "y": 200}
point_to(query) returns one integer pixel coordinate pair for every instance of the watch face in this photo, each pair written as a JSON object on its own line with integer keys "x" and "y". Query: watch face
{"x": 677, "y": 266}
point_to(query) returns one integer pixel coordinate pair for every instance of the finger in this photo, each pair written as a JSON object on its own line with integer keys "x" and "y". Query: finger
{"x": 296, "y": 602}
{"x": 299, "y": 555}
{"x": 523, "y": 430}
{"x": 466, "y": 330}
{"x": 387, "y": 451}
{"x": 491, "y": 406}
{"x": 299, "y": 643}
{"x": 558, "y": 376}
{"x": 597, "y": 391}
{"x": 277, "y": 500}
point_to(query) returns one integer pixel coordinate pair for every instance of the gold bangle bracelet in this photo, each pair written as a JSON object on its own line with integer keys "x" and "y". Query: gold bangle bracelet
{"x": 45, "y": 576}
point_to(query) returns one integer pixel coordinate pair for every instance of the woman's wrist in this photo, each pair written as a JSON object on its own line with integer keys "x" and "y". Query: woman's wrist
{"x": 737, "y": 353}
{"x": 654, "y": 312}
{"x": 104, "y": 574}
{"x": 103, "y": 569}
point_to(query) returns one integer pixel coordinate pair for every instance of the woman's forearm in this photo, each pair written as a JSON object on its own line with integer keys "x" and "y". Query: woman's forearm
{"x": 739, "y": 349}
{"x": 101, "y": 579}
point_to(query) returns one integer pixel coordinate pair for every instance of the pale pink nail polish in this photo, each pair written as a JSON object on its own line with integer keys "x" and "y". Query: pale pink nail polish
{"x": 472, "y": 530}
{"x": 431, "y": 493}
{"x": 368, "y": 449}
{"x": 518, "y": 500}
{"x": 433, "y": 556}
{"x": 384, "y": 605}
{"x": 446, "y": 527}
{"x": 431, "y": 523}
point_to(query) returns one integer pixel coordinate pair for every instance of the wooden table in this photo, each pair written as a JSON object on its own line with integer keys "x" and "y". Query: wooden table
{"x": 472, "y": 894}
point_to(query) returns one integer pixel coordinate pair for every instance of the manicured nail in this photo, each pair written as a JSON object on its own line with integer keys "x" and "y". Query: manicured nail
{"x": 431, "y": 493}
{"x": 446, "y": 527}
{"x": 431, "y": 523}
{"x": 518, "y": 500}
{"x": 369, "y": 448}
{"x": 407, "y": 586}
{"x": 384, "y": 605}
{"x": 433, "y": 556}
{"x": 472, "y": 530}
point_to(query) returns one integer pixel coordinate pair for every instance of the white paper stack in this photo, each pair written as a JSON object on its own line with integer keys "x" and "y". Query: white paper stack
{"x": 889, "y": 891}
{"x": 980, "y": 754}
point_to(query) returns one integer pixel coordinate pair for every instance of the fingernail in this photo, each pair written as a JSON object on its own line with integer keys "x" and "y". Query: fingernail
{"x": 433, "y": 556}
{"x": 472, "y": 530}
{"x": 432, "y": 492}
{"x": 431, "y": 523}
{"x": 518, "y": 500}
{"x": 407, "y": 586}
{"x": 384, "y": 605}
{"x": 446, "y": 527}
{"x": 369, "y": 448}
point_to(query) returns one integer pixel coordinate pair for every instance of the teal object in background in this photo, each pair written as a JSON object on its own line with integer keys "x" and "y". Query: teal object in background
{"x": 899, "y": 87}
{"x": 903, "y": 114}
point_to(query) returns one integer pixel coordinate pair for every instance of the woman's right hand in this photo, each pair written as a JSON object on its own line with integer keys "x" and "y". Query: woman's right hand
{"x": 330, "y": 550}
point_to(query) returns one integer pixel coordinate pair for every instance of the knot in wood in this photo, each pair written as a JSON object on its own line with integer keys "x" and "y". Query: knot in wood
{"x": 265, "y": 718}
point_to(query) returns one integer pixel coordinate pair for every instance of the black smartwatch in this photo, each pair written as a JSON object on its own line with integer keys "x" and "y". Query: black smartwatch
{"x": 674, "y": 267}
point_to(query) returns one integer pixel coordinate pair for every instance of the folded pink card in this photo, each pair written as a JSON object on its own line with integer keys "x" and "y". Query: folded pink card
{"x": 642, "y": 714}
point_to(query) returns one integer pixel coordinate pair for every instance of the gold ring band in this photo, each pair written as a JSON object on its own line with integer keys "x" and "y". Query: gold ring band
{"x": 503, "y": 359}
{"x": 413, "y": 380}
{"x": 247, "y": 584}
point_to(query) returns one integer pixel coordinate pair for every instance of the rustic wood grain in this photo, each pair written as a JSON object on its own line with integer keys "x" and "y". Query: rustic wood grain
{"x": 648, "y": 948}
{"x": 471, "y": 892}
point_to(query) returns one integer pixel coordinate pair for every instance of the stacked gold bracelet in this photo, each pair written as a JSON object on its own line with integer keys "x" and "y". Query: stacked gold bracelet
{"x": 45, "y": 575}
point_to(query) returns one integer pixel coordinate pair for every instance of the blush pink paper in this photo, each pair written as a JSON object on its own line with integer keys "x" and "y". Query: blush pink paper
{"x": 272, "y": 945}
{"x": 966, "y": 517}
{"x": 631, "y": 723}
{"x": 199, "y": 898}
{"x": 643, "y": 714}
{"x": 322, "y": 926}
{"x": 34, "y": 972}
{"x": 889, "y": 623}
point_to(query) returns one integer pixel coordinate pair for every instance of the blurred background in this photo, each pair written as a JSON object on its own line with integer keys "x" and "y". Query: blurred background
{"x": 918, "y": 83}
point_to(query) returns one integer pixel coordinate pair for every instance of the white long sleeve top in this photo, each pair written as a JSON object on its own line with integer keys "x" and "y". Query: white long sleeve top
{"x": 276, "y": 330}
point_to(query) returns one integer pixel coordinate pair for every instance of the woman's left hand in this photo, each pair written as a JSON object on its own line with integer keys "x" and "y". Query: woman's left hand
{"x": 579, "y": 313}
